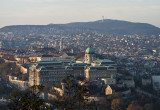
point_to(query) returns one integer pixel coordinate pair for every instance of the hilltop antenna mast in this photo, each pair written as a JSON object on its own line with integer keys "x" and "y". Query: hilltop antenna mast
{"x": 102, "y": 19}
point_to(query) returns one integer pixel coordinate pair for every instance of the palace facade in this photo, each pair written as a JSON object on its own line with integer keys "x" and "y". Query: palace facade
{"x": 49, "y": 73}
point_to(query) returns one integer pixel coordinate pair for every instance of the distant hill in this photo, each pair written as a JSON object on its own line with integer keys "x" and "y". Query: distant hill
{"x": 108, "y": 26}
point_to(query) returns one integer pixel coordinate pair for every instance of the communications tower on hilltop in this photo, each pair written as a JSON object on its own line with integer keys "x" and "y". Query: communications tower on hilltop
{"x": 102, "y": 19}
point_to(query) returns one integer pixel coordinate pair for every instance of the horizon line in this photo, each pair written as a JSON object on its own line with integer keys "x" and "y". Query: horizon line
{"x": 76, "y": 22}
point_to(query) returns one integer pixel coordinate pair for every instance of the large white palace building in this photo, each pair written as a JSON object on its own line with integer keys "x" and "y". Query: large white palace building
{"x": 48, "y": 73}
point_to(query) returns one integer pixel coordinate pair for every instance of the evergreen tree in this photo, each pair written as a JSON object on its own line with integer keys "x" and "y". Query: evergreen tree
{"x": 27, "y": 100}
{"x": 75, "y": 96}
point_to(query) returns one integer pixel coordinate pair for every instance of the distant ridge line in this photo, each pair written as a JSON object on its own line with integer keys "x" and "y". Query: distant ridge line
{"x": 108, "y": 26}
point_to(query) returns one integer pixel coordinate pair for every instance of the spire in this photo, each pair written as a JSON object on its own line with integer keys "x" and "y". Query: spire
{"x": 61, "y": 44}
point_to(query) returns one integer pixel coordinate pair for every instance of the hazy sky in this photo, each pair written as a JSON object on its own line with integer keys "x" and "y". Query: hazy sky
{"x": 15, "y": 12}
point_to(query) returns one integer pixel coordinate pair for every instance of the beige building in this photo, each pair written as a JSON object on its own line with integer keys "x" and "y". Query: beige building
{"x": 100, "y": 68}
{"x": 110, "y": 89}
{"x": 22, "y": 59}
{"x": 35, "y": 58}
{"x": 23, "y": 70}
{"x": 98, "y": 72}
{"x": 77, "y": 69}
{"x": 48, "y": 73}
{"x": 22, "y": 85}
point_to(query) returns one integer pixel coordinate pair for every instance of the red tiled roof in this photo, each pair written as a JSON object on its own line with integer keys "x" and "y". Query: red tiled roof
{"x": 79, "y": 55}
{"x": 22, "y": 56}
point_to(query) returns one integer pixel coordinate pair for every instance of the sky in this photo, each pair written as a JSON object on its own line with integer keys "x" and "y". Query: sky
{"x": 42, "y": 12}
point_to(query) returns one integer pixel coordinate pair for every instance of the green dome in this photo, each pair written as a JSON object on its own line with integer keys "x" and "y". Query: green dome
{"x": 89, "y": 50}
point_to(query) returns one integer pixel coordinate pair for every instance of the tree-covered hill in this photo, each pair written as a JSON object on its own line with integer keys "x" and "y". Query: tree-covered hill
{"x": 107, "y": 26}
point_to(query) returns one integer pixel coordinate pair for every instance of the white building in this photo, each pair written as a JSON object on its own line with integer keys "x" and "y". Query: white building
{"x": 50, "y": 72}
{"x": 47, "y": 58}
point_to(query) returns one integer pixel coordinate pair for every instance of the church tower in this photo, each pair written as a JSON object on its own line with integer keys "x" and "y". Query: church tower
{"x": 0, "y": 45}
{"x": 89, "y": 55}
{"x": 61, "y": 44}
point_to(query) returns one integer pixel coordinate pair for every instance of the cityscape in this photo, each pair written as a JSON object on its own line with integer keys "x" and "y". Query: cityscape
{"x": 104, "y": 64}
